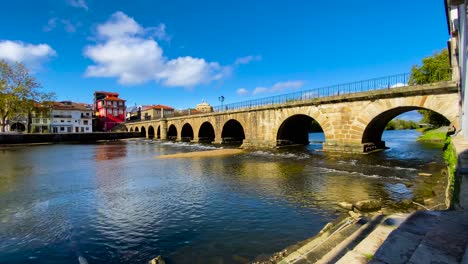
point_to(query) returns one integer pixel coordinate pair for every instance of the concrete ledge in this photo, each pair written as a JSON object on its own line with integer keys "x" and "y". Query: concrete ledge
{"x": 9, "y": 139}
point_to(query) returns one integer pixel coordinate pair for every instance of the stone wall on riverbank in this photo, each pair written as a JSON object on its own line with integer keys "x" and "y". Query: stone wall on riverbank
{"x": 8, "y": 139}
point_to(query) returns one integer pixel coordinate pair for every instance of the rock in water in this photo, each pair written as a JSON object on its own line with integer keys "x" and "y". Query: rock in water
{"x": 82, "y": 260}
{"x": 368, "y": 205}
{"x": 423, "y": 174}
{"x": 346, "y": 205}
{"x": 157, "y": 260}
{"x": 354, "y": 215}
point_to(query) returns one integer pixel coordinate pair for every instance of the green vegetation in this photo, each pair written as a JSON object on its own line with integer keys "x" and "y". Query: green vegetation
{"x": 315, "y": 127}
{"x": 433, "y": 69}
{"x": 19, "y": 92}
{"x": 399, "y": 124}
{"x": 433, "y": 135}
{"x": 451, "y": 159}
{"x": 433, "y": 118}
{"x": 369, "y": 257}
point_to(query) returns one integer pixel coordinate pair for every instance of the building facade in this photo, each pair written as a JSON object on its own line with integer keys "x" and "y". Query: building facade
{"x": 149, "y": 112}
{"x": 69, "y": 117}
{"x": 456, "y": 11}
{"x": 204, "y": 107}
{"x": 109, "y": 110}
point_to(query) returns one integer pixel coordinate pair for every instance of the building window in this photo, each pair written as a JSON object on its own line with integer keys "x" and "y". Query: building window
{"x": 61, "y": 121}
{"x": 44, "y": 121}
{"x": 69, "y": 129}
{"x": 109, "y": 111}
{"x": 85, "y": 122}
{"x": 87, "y": 128}
{"x": 121, "y": 111}
{"x": 62, "y": 129}
{"x": 109, "y": 103}
{"x": 115, "y": 103}
{"x": 37, "y": 120}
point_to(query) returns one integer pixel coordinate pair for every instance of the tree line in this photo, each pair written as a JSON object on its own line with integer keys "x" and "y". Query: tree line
{"x": 20, "y": 93}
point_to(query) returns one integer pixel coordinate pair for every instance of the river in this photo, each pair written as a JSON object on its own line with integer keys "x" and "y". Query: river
{"x": 115, "y": 202}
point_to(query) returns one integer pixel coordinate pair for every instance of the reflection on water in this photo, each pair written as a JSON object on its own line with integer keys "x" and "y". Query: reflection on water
{"x": 114, "y": 202}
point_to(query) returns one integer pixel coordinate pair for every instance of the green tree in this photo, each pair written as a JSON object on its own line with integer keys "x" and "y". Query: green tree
{"x": 19, "y": 92}
{"x": 433, "y": 69}
{"x": 433, "y": 118}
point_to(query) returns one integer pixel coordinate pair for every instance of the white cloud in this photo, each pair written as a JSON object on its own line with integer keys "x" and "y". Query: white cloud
{"x": 51, "y": 24}
{"x": 242, "y": 91}
{"x": 54, "y": 22}
{"x": 78, "y": 4}
{"x": 127, "y": 51}
{"x": 398, "y": 85}
{"x": 279, "y": 87}
{"x": 29, "y": 54}
{"x": 68, "y": 26}
{"x": 247, "y": 59}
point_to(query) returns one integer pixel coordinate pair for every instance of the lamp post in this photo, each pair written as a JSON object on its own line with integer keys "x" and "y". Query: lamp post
{"x": 221, "y": 99}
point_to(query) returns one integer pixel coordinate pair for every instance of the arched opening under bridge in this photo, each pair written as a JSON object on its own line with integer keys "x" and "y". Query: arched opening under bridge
{"x": 158, "y": 133}
{"x": 206, "y": 133}
{"x": 172, "y": 133}
{"x": 143, "y": 131}
{"x": 299, "y": 130}
{"x": 136, "y": 129}
{"x": 187, "y": 132}
{"x": 232, "y": 133}
{"x": 150, "y": 132}
{"x": 399, "y": 119}
{"x": 131, "y": 129}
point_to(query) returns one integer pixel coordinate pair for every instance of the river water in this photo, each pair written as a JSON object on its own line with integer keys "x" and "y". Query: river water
{"x": 116, "y": 203}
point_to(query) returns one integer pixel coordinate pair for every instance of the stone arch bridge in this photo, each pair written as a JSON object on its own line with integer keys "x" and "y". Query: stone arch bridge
{"x": 351, "y": 122}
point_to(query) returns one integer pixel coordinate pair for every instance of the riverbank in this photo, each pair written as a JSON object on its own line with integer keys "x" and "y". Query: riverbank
{"x": 13, "y": 139}
{"x": 436, "y": 135}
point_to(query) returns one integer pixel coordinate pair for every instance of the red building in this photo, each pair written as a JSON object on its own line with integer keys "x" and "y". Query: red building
{"x": 109, "y": 110}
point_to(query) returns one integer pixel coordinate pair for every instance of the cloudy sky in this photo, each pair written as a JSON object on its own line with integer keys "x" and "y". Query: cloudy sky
{"x": 179, "y": 52}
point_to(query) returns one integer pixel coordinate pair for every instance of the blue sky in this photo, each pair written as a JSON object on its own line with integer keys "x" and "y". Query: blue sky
{"x": 179, "y": 52}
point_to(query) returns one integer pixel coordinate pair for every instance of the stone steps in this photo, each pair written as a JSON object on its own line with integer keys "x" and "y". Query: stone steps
{"x": 427, "y": 237}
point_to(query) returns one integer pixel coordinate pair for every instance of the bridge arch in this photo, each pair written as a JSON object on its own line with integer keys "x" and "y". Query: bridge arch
{"x": 131, "y": 129}
{"x": 206, "y": 133}
{"x": 295, "y": 130}
{"x": 374, "y": 130}
{"x": 158, "y": 132}
{"x": 143, "y": 131}
{"x": 172, "y": 132}
{"x": 186, "y": 133}
{"x": 370, "y": 126}
{"x": 232, "y": 132}
{"x": 136, "y": 129}
{"x": 151, "y": 132}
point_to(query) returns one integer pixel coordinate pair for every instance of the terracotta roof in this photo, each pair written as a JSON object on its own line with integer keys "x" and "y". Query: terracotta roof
{"x": 112, "y": 98}
{"x": 107, "y": 93}
{"x": 165, "y": 107}
{"x": 71, "y": 106}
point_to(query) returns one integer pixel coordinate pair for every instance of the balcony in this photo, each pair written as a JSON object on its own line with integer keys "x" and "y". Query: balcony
{"x": 86, "y": 116}
{"x": 62, "y": 116}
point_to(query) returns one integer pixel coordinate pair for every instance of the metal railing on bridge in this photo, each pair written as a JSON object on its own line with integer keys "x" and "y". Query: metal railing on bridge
{"x": 382, "y": 83}
{"x": 387, "y": 82}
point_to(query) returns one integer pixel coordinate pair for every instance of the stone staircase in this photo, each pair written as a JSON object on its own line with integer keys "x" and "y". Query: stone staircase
{"x": 427, "y": 237}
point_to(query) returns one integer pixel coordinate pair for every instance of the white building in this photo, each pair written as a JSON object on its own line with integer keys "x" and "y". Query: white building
{"x": 456, "y": 11}
{"x": 69, "y": 117}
